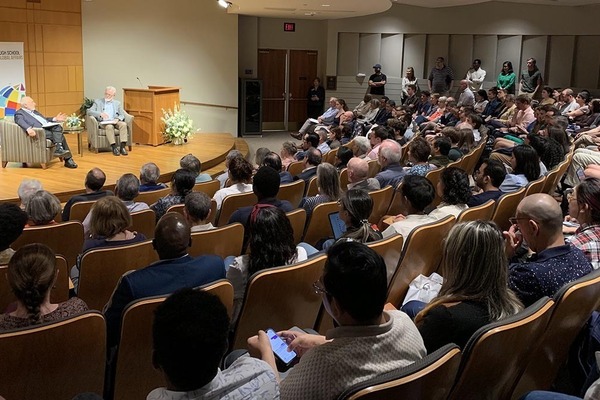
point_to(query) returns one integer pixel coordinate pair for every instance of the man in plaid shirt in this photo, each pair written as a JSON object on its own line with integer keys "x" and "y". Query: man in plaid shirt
{"x": 584, "y": 206}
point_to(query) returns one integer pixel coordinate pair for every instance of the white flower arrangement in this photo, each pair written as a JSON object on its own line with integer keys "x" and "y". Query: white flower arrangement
{"x": 177, "y": 124}
{"x": 73, "y": 121}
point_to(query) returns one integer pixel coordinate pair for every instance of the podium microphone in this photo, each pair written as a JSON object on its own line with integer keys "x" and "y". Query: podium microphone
{"x": 141, "y": 84}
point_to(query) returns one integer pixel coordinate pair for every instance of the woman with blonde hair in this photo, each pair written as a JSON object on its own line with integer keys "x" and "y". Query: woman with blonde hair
{"x": 31, "y": 275}
{"x": 475, "y": 290}
{"x": 328, "y": 182}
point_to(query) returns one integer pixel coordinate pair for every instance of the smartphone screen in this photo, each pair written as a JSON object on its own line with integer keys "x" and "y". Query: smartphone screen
{"x": 580, "y": 174}
{"x": 280, "y": 347}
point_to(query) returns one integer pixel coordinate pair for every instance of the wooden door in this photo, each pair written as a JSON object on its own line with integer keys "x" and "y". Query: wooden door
{"x": 272, "y": 69}
{"x": 303, "y": 70}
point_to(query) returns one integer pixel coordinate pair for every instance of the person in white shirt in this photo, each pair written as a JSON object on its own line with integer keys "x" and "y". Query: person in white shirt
{"x": 466, "y": 98}
{"x": 475, "y": 76}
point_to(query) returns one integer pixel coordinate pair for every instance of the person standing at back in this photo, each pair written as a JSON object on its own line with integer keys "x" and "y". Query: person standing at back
{"x": 377, "y": 82}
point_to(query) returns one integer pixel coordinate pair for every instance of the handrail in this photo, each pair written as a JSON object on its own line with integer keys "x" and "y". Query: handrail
{"x": 208, "y": 105}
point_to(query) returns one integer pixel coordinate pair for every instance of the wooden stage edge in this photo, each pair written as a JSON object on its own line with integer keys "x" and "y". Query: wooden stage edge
{"x": 210, "y": 148}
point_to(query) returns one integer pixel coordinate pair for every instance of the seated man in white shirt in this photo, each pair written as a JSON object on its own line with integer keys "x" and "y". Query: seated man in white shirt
{"x": 197, "y": 211}
{"x": 189, "y": 334}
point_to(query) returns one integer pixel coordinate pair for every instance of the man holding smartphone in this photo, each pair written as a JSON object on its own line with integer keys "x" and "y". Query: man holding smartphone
{"x": 368, "y": 342}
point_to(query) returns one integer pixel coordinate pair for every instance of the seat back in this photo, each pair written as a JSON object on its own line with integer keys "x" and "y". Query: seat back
{"x": 391, "y": 250}
{"x": 296, "y": 301}
{"x": 152, "y": 196}
{"x": 330, "y": 156}
{"x": 535, "y": 186}
{"x": 318, "y": 226}
{"x": 506, "y": 206}
{"x": 295, "y": 167}
{"x": 313, "y": 187}
{"x": 231, "y": 203}
{"x": 135, "y": 376}
{"x": 381, "y": 202}
{"x": 58, "y": 293}
{"x": 496, "y": 355}
{"x": 210, "y": 187}
{"x": 457, "y": 164}
{"x": 298, "y": 220}
{"x": 65, "y": 239}
{"x": 473, "y": 157}
{"x": 177, "y": 208}
{"x": 430, "y": 378}
{"x": 102, "y": 268}
{"x": 434, "y": 177}
{"x": 344, "y": 179}
{"x": 482, "y": 212}
{"x": 80, "y": 210}
{"x": 55, "y": 360}
{"x": 422, "y": 254}
{"x": 223, "y": 241}
{"x": 394, "y": 208}
{"x": 292, "y": 192}
{"x": 374, "y": 168}
{"x": 144, "y": 222}
{"x": 574, "y": 304}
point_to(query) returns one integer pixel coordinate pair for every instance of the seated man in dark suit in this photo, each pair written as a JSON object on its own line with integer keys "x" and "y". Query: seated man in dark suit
{"x": 175, "y": 270}
{"x": 274, "y": 161}
{"x": 265, "y": 187}
{"x": 94, "y": 180}
{"x": 28, "y": 118}
{"x": 311, "y": 162}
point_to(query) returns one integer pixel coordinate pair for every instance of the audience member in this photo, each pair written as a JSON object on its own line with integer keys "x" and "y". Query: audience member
{"x": 363, "y": 107}
{"x": 452, "y": 134}
{"x": 361, "y": 146}
{"x": 240, "y": 173}
{"x": 260, "y": 155}
{"x": 539, "y": 220}
{"x": 441, "y": 78}
{"x": 12, "y": 222}
{"x": 440, "y": 148}
{"x": 191, "y": 163}
{"x": 472, "y": 295}
{"x": 190, "y": 332}
{"x": 287, "y": 153}
{"x": 175, "y": 270}
{"x": 274, "y": 161}
{"x": 271, "y": 244}
{"x": 197, "y": 211}
{"x": 42, "y": 208}
{"x": 368, "y": 341}
{"x": 584, "y": 207}
{"x": 358, "y": 175}
{"x": 149, "y": 175}
{"x": 182, "y": 183}
{"x": 94, "y": 180}
{"x": 326, "y": 118}
{"x": 481, "y": 101}
{"x": 377, "y": 82}
{"x": 466, "y": 97}
{"x": 475, "y": 76}
{"x": 418, "y": 155}
{"x": 309, "y": 141}
{"x": 311, "y": 162}
{"x": 376, "y": 136}
{"x": 531, "y": 80}
{"x": 225, "y": 175}
{"x": 334, "y": 137}
{"x": 342, "y": 157}
{"x": 453, "y": 188}
{"x": 525, "y": 165}
{"x": 31, "y": 275}
{"x": 323, "y": 147}
{"x": 389, "y": 158}
{"x": 26, "y": 189}
{"x": 488, "y": 177}
{"x": 507, "y": 78}
{"x": 328, "y": 182}
{"x": 356, "y": 207}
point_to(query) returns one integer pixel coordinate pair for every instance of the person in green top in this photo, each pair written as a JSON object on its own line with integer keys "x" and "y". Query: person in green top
{"x": 506, "y": 79}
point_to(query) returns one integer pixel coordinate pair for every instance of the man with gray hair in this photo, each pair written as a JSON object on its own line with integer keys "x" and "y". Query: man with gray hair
{"x": 26, "y": 189}
{"x": 149, "y": 175}
{"x": 390, "y": 154}
{"x": 553, "y": 263}
{"x": 109, "y": 113}
{"x": 225, "y": 175}
{"x": 192, "y": 163}
{"x": 358, "y": 172}
{"x": 361, "y": 146}
{"x": 197, "y": 211}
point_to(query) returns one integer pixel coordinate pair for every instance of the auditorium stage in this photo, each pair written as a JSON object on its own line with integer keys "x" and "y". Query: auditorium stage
{"x": 210, "y": 148}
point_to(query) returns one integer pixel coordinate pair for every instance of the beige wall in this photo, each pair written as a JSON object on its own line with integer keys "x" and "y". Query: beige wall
{"x": 187, "y": 43}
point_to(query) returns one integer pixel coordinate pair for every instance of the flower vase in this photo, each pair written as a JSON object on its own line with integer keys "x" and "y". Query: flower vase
{"x": 177, "y": 141}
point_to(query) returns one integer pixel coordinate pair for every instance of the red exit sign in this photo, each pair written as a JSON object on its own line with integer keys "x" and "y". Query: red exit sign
{"x": 289, "y": 27}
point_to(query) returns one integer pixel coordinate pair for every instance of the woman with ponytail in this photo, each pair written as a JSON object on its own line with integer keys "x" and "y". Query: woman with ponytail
{"x": 31, "y": 275}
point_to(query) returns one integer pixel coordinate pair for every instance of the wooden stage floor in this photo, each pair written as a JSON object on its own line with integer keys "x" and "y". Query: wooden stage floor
{"x": 210, "y": 148}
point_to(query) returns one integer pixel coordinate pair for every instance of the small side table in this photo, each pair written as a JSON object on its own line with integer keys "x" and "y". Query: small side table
{"x": 78, "y": 132}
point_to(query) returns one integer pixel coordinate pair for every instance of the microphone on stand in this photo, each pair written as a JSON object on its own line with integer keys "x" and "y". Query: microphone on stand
{"x": 141, "y": 84}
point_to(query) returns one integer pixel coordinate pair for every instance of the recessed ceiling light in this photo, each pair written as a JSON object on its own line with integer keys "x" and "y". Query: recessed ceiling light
{"x": 325, "y": 5}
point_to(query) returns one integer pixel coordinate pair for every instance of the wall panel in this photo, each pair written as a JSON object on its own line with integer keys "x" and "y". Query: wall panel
{"x": 558, "y": 72}
{"x": 414, "y": 48}
{"x": 536, "y": 47}
{"x": 369, "y": 52}
{"x": 437, "y": 46}
{"x": 586, "y": 61}
{"x": 509, "y": 49}
{"x": 461, "y": 55}
{"x": 485, "y": 48}
{"x": 348, "y": 48}
{"x": 391, "y": 55}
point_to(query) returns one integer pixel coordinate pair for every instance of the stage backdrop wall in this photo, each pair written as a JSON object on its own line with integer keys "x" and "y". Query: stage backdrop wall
{"x": 12, "y": 78}
{"x": 187, "y": 43}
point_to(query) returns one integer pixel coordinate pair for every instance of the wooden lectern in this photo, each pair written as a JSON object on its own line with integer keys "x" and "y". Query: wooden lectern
{"x": 146, "y": 106}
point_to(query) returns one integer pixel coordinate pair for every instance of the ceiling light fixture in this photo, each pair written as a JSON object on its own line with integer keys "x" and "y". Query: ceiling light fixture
{"x": 224, "y": 3}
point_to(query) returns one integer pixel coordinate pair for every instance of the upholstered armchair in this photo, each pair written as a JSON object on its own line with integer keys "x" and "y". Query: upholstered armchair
{"x": 17, "y": 146}
{"x": 97, "y": 136}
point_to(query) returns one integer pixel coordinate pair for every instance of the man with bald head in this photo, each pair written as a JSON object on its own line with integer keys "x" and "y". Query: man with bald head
{"x": 94, "y": 182}
{"x": 553, "y": 264}
{"x": 358, "y": 171}
{"x": 466, "y": 98}
{"x": 175, "y": 270}
{"x": 27, "y": 117}
{"x": 390, "y": 154}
